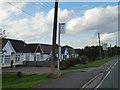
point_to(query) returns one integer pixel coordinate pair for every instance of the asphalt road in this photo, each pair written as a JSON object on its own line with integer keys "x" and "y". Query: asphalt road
{"x": 112, "y": 78}
{"x": 75, "y": 80}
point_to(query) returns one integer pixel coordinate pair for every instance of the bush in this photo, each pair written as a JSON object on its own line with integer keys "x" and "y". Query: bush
{"x": 84, "y": 59}
{"x": 68, "y": 63}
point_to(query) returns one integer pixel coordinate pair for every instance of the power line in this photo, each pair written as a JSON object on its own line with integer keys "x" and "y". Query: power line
{"x": 25, "y": 12}
{"x": 20, "y": 9}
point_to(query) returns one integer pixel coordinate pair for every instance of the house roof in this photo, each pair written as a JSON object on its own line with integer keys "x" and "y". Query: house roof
{"x": 32, "y": 48}
{"x": 21, "y": 46}
{"x": 77, "y": 51}
{"x": 17, "y": 44}
{"x": 46, "y": 48}
{"x": 69, "y": 49}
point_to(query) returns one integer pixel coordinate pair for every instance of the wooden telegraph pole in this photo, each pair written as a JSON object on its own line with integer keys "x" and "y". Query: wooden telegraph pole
{"x": 100, "y": 46}
{"x": 54, "y": 40}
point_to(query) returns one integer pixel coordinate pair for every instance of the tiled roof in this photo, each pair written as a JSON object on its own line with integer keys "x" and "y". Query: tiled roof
{"x": 17, "y": 44}
{"x": 46, "y": 48}
{"x": 77, "y": 50}
{"x": 32, "y": 48}
{"x": 21, "y": 46}
{"x": 69, "y": 49}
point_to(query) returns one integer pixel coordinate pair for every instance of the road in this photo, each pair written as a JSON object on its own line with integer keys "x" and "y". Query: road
{"x": 112, "y": 78}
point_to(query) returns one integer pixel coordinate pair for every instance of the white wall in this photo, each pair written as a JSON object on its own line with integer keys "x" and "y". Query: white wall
{"x": 45, "y": 56}
{"x": 31, "y": 56}
{"x": 28, "y": 57}
{"x": 8, "y": 49}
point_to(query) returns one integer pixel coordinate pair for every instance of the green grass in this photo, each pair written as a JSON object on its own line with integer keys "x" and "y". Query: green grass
{"x": 10, "y": 80}
{"x": 92, "y": 64}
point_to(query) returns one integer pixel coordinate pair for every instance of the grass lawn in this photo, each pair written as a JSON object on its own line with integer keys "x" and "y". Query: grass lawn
{"x": 92, "y": 64}
{"x": 10, "y": 80}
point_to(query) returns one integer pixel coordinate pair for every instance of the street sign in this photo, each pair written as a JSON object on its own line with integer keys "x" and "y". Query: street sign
{"x": 105, "y": 46}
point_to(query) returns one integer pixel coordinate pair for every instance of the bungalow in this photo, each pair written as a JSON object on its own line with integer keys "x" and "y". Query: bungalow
{"x": 11, "y": 50}
{"x": 77, "y": 52}
{"x": 67, "y": 52}
{"x": 19, "y": 51}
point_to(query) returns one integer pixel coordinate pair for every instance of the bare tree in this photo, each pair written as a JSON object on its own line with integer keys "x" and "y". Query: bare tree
{"x": 3, "y": 33}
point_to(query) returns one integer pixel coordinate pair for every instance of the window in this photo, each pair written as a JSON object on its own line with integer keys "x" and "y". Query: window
{"x": 7, "y": 59}
{"x": 34, "y": 57}
{"x": 17, "y": 58}
{"x": 38, "y": 57}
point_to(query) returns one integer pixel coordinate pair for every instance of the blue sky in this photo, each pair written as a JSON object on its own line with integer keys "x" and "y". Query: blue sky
{"x": 79, "y": 7}
{"x": 21, "y": 23}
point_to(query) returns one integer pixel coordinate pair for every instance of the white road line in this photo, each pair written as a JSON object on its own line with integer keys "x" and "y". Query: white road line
{"x": 105, "y": 76}
{"x": 102, "y": 80}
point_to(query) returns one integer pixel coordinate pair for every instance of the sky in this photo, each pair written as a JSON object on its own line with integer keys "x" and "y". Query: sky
{"x": 32, "y": 22}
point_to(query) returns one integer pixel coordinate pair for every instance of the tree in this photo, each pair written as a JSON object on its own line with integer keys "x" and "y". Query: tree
{"x": 3, "y": 33}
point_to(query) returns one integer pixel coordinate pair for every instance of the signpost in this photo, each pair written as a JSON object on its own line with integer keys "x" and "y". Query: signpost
{"x": 61, "y": 31}
{"x": 105, "y": 48}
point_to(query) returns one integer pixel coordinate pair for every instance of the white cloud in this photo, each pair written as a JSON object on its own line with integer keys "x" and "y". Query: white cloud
{"x": 109, "y": 38}
{"x": 106, "y": 37}
{"x": 6, "y": 10}
{"x": 39, "y": 27}
{"x": 100, "y": 19}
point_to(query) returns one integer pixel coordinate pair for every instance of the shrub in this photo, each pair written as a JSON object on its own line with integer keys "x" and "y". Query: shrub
{"x": 84, "y": 59}
{"x": 68, "y": 63}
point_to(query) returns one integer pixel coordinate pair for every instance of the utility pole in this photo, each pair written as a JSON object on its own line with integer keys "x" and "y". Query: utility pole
{"x": 99, "y": 46}
{"x": 54, "y": 40}
{"x": 116, "y": 46}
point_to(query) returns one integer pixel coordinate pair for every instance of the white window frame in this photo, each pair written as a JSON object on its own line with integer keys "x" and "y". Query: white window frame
{"x": 17, "y": 59}
{"x": 7, "y": 59}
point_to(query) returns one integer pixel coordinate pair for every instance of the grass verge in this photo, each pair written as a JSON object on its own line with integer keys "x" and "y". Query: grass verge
{"x": 10, "y": 80}
{"x": 92, "y": 64}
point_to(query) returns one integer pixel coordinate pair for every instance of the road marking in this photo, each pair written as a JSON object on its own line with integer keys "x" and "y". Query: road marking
{"x": 102, "y": 81}
{"x": 88, "y": 83}
{"x": 106, "y": 76}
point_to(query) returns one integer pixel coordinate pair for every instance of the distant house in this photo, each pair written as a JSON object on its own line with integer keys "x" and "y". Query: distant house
{"x": 67, "y": 52}
{"x": 77, "y": 52}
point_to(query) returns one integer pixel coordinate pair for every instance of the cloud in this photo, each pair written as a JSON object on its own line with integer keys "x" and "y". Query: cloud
{"x": 109, "y": 38}
{"x": 39, "y": 27}
{"x": 106, "y": 37}
{"x": 99, "y": 19}
{"x": 6, "y": 10}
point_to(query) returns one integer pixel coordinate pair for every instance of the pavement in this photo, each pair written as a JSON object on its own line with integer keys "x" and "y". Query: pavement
{"x": 28, "y": 70}
{"x": 76, "y": 80}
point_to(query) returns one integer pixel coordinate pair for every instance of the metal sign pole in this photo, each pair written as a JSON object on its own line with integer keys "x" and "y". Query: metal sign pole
{"x": 59, "y": 51}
